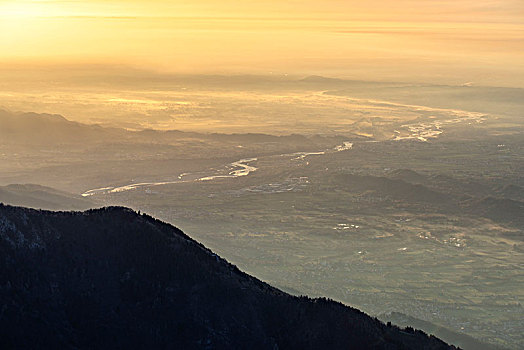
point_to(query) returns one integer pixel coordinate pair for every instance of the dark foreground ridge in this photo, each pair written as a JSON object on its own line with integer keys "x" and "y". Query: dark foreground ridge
{"x": 112, "y": 278}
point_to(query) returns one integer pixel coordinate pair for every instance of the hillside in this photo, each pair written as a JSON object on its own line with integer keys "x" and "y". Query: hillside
{"x": 442, "y": 194}
{"x": 461, "y": 339}
{"x": 112, "y": 278}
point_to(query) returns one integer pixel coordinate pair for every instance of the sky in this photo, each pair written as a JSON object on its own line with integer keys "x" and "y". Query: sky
{"x": 442, "y": 40}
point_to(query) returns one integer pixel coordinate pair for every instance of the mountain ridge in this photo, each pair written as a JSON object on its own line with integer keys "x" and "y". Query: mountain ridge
{"x": 15, "y": 128}
{"x": 114, "y": 278}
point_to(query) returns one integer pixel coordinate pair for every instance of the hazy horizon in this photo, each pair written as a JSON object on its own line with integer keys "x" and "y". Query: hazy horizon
{"x": 369, "y": 152}
{"x": 448, "y": 42}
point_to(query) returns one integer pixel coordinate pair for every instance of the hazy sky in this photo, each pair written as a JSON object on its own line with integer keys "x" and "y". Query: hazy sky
{"x": 455, "y": 40}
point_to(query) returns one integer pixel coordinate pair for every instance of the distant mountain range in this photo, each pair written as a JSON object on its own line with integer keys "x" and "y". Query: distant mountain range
{"x": 43, "y": 129}
{"x": 42, "y": 197}
{"x": 112, "y": 278}
{"x": 36, "y": 129}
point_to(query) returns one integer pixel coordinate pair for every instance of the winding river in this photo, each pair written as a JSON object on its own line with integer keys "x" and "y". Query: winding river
{"x": 242, "y": 167}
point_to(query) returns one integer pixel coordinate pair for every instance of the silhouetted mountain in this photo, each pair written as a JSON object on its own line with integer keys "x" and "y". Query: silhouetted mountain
{"x": 41, "y": 197}
{"x": 111, "y": 278}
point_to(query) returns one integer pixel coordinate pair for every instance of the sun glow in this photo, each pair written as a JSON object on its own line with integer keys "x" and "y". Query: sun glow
{"x": 27, "y": 9}
{"x": 461, "y": 38}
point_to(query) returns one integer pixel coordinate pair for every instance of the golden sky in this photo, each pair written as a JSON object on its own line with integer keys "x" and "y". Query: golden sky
{"x": 474, "y": 40}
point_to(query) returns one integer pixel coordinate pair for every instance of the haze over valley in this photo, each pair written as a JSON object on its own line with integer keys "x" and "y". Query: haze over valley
{"x": 372, "y": 154}
{"x": 392, "y": 196}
